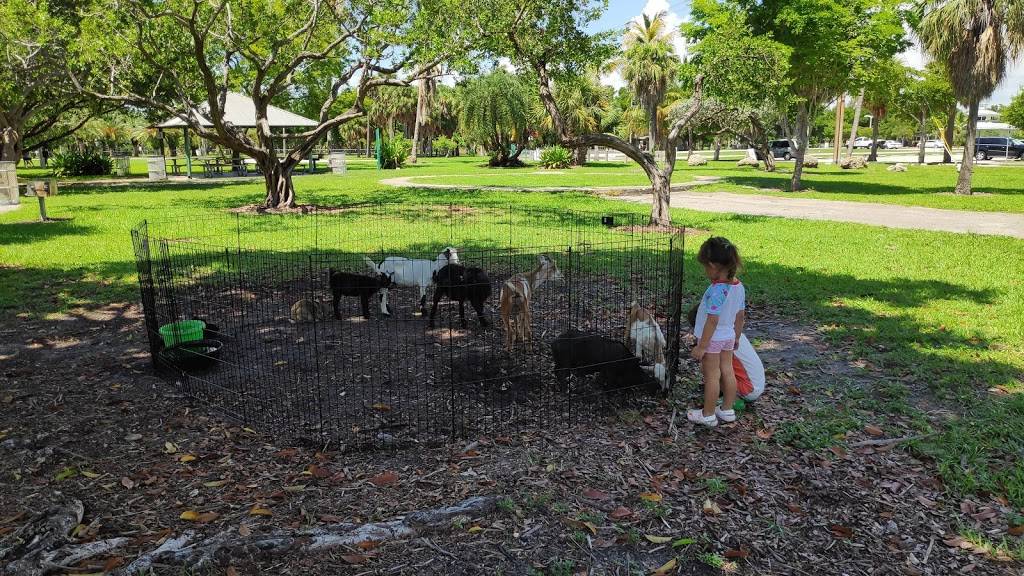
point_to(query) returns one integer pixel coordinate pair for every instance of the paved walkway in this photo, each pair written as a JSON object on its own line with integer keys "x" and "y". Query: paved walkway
{"x": 419, "y": 182}
{"x": 889, "y": 215}
{"x": 9, "y": 207}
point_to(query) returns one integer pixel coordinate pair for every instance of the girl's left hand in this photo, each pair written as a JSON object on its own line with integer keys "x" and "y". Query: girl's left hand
{"x": 698, "y": 352}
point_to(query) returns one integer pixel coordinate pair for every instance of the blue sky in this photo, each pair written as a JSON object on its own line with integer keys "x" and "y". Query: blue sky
{"x": 622, "y": 11}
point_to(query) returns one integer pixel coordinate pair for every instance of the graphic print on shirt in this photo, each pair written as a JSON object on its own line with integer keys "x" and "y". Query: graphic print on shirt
{"x": 714, "y": 298}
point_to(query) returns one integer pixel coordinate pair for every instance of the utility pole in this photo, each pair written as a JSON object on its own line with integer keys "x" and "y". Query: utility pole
{"x": 838, "y": 139}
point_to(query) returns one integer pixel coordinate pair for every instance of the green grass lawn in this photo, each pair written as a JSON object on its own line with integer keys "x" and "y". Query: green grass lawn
{"x": 997, "y": 189}
{"x": 937, "y": 308}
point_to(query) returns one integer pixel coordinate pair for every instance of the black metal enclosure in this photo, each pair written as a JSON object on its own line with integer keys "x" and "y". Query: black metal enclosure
{"x": 388, "y": 379}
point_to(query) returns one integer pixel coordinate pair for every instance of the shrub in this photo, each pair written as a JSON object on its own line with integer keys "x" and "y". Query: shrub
{"x": 394, "y": 151}
{"x": 445, "y": 145}
{"x": 555, "y": 157}
{"x": 75, "y": 163}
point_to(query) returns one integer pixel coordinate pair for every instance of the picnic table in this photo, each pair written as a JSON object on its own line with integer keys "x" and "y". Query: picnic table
{"x": 220, "y": 165}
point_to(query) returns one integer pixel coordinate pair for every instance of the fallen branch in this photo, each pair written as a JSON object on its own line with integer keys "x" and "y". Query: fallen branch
{"x": 180, "y": 552}
{"x": 40, "y": 546}
{"x": 38, "y": 543}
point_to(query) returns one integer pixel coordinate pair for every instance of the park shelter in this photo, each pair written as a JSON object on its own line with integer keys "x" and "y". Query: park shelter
{"x": 240, "y": 111}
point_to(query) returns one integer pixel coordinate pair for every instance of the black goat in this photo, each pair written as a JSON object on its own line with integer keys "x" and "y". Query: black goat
{"x": 459, "y": 284}
{"x": 348, "y": 284}
{"x": 580, "y": 353}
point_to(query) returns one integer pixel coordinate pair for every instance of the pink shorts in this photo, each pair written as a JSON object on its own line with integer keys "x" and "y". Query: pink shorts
{"x": 719, "y": 346}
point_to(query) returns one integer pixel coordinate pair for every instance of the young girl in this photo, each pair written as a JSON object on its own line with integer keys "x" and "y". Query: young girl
{"x": 720, "y": 319}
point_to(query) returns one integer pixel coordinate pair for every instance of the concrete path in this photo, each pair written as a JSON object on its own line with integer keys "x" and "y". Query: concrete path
{"x": 9, "y": 207}
{"x": 418, "y": 182}
{"x": 889, "y": 215}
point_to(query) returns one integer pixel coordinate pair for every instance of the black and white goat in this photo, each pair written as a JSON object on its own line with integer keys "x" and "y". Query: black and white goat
{"x": 580, "y": 353}
{"x": 459, "y": 284}
{"x": 412, "y": 272}
{"x": 348, "y": 284}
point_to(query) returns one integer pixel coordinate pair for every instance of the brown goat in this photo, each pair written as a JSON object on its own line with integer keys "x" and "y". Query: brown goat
{"x": 515, "y": 299}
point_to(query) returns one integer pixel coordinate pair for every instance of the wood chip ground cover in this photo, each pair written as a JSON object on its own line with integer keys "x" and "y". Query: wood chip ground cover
{"x": 626, "y": 493}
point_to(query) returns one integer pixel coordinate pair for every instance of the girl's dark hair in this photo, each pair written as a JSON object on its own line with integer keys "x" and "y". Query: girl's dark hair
{"x": 718, "y": 250}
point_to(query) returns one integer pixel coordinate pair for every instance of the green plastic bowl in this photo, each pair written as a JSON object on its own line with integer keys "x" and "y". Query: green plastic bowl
{"x": 184, "y": 331}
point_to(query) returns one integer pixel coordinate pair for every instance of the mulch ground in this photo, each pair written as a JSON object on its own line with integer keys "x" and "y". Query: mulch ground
{"x": 82, "y": 415}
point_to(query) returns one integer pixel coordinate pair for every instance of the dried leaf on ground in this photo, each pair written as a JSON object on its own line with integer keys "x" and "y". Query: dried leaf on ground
{"x": 385, "y": 478}
{"x": 665, "y": 568}
{"x": 620, "y": 513}
{"x": 710, "y": 508}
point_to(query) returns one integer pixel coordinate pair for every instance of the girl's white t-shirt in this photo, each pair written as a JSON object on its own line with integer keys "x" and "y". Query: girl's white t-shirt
{"x": 725, "y": 300}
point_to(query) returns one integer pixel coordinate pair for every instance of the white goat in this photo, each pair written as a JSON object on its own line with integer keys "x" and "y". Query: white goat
{"x": 643, "y": 331}
{"x": 410, "y": 272}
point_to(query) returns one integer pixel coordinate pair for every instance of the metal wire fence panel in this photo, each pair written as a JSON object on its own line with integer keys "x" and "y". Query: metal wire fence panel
{"x": 301, "y": 338}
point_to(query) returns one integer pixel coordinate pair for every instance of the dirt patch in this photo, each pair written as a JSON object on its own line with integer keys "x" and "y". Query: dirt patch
{"x": 661, "y": 229}
{"x": 299, "y": 209}
{"x": 92, "y": 421}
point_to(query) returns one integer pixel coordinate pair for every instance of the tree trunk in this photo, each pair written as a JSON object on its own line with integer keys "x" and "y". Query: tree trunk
{"x": 580, "y": 156}
{"x": 661, "y": 187}
{"x": 421, "y": 97}
{"x": 801, "y": 145}
{"x": 856, "y": 121}
{"x": 873, "y": 156}
{"x": 718, "y": 148}
{"x": 963, "y": 184}
{"x": 947, "y": 156}
{"x": 922, "y": 135}
{"x": 652, "y": 128}
{"x": 278, "y": 179}
{"x": 10, "y": 150}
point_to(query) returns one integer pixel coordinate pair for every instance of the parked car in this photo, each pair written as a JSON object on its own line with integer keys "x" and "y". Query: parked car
{"x": 934, "y": 144}
{"x": 862, "y": 142}
{"x": 780, "y": 149}
{"x": 890, "y": 144}
{"x": 987, "y": 147}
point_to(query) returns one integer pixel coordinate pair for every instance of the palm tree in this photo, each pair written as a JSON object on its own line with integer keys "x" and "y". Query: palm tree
{"x": 648, "y": 65}
{"x": 585, "y": 103}
{"x": 975, "y": 39}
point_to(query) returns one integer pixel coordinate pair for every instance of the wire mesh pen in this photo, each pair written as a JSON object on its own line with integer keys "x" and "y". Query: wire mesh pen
{"x": 384, "y": 380}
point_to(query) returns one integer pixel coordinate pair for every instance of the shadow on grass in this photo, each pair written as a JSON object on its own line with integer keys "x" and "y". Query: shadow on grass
{"x": 34, "y": 231}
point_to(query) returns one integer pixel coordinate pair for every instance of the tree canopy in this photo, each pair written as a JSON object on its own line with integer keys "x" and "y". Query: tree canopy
{"x": 178, "y": 56}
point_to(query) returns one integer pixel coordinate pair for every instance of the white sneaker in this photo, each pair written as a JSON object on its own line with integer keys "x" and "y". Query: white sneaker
{"x": 725, "y": 415}
{"x": 696, "y": 415}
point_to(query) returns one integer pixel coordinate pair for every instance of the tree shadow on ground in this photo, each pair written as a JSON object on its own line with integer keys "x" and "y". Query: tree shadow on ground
{"x": 897, "y": 342}
{"x": 34, "y": 231}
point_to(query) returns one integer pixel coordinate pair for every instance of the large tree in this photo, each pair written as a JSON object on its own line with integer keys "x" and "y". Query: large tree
{"x": 925, "y": 93}
{"x": 38, "y": 104}
{"x": 746, "y": 75}
{"x": 496, "y": 114}
{"x": 549, "y": 39}
{"x": 178, "y": 56}
{"x": 586, "y": 103}
{"x": 881, "y": 93}
{"x": 975, "y": 39}
{"x": 648, "y": 64}
{"x": 835, "y": 44}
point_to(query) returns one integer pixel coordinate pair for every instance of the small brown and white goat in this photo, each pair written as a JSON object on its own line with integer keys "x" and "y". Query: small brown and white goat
{"x": 644, "y": 333}
{"x": 515, "y": 299}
